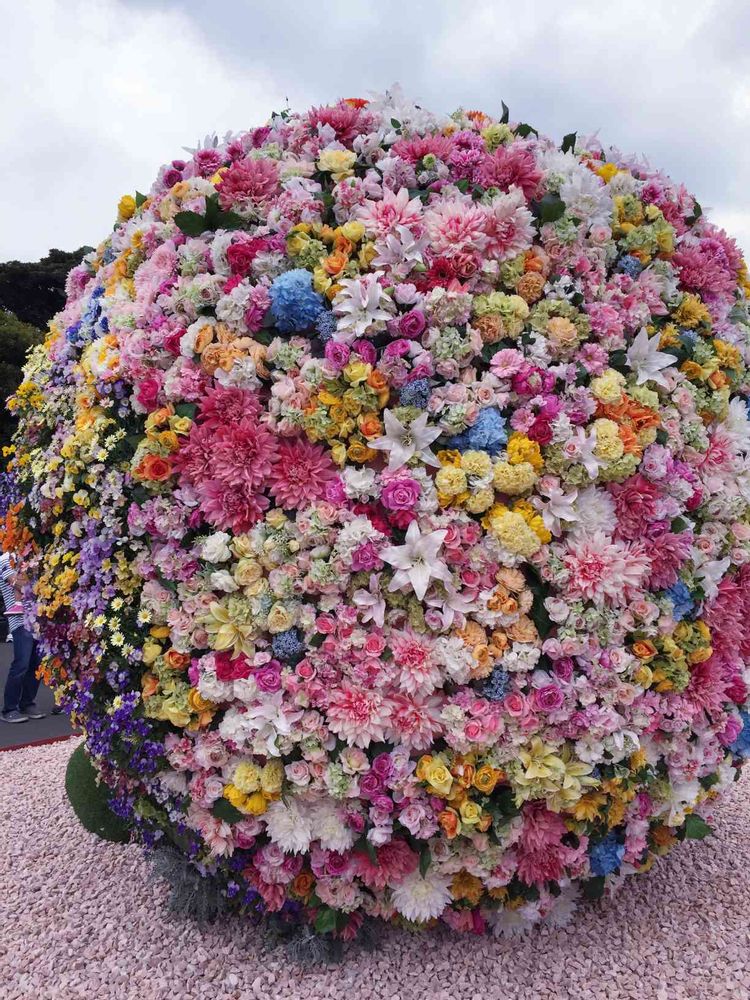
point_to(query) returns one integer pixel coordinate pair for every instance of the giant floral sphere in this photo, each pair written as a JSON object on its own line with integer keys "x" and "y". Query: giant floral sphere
{"x": 388, "y": 482}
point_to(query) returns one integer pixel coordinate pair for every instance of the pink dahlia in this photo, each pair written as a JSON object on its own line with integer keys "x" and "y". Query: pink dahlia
{"x": 414, "y": 721}
{"x": 302, "y": 473}
{"x": 416, "y": 149}
{"x": 346, "y": 120}
{"x": 234, "y": 507}
{"x": 244, "y": 453}
{"x": 223, "y": 405}
{"x": 709, "y": 266}
{"x": 509, "y": 166}
{"x": 455, "y": 227}
{"x": 636, "y": 505}
{"x": 668, "y": 553}
{"x": 248, "y": 183}
{"x": 603, "y": 571}
{"x": 356, "y": 715}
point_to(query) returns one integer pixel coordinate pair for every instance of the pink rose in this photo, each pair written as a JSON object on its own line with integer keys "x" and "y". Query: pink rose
{"x": 548, "y": 698}
{"x": 400, "y": 494}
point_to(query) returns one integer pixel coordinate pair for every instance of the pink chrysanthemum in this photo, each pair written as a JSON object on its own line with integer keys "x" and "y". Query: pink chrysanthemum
{"x": 224, "y": 405}
{"x": 603, "y": 571}
{"x": 302, "y": 473}
{"x": 356, "y": 715}
{"x": 231, "y": 507}
{"x": 507, "y": 167}
{"x": 248, "y": 183}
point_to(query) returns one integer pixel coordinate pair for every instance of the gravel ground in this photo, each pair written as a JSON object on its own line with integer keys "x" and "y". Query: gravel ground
{"x": 80, "y": 919}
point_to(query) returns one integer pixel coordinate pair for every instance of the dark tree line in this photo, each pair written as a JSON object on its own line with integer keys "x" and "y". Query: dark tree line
{"x": 30, "y": 295}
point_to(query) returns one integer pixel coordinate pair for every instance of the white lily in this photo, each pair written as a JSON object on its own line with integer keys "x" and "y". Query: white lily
{"x": 403, "y": 442}
{"x": 416, "y": 561}
{"x": 558, "y": 507}
{"x": 647, "y": 361}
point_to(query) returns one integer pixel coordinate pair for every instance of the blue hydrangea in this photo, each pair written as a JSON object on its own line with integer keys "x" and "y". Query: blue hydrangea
{"x": 72, "y": 334}
{"x": 688, "y": 339}
{"x": 295, "y": 305}
{"x": 487, "y": 434}
{"x": 325, "y": 324}
{"x": 496, "y": 685}
{"x": 606, "y": 856}
{"x": 741, "y": 746}
{"x": 629, "y": 265}
{"x": 288, "y": 646}
{"x": 416, "y": 393}
{"x": 681, "y": 599}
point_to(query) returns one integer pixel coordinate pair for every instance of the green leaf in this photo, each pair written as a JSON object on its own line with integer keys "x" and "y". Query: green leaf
{"x": 425, "y": 860}
{"x": 593, "y": 888}
{"x": 525, "y": 130}
{"x": 191, "y": 223}
{"x": 395, "y": 123}
{"x": 223, "y": 809}
{"x": 326, "y": 920}
{"x": 506, "y": 113}
{"x": 549, "y": 209}
{"x": 696, "y": 828}
{"x": 185, "y": 410}
{"x": 229, "y": 220}
{"x": 709, "y": 781}
{"x": 569, "y": 141}
{"x": 140, "y": 198}
{"x": 697, "y": 213}
{"x": 463, "y": 185}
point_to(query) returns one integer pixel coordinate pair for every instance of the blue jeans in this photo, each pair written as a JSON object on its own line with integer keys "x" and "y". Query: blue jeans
{"x": 22, "y": 685}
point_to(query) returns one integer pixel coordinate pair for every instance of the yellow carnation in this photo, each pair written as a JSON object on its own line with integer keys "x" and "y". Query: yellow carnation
{"x": 608, "y": 386}
{"x": 514, "y": 479}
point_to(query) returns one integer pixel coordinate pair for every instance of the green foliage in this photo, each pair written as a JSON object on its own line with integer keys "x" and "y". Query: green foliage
{"x": 696, "y": 828}
{"x": 89, "y": 799}
{"x": 194, "y": 224}
{"x": 224, "y": 810}
{"x": 34, "y": 291}
{"x": 16, "y": 338}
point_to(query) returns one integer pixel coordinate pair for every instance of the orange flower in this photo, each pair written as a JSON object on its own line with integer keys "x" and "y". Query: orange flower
{"x": 335, "y": 263}
{"x": 448, "y": 820}
{"x": 377, "y": 381}
{"x": 176, "y": 660}
{"x": 370, "y": 425}
{"x": 302, "y": 886}
{"x": 644, "y": 649}
{"x": 204, "y": 338}
{"x": 149, "y": 685}
{"x": 154, "y": 468}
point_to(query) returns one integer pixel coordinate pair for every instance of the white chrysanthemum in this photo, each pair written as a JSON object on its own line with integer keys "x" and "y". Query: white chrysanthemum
{"x": 515, "y": 923}
{"x": 738, "y": 424}
{"x": 596, "y": 513}
{"x": 564, "y": 907}
{"x": 587, "y": 197}
{"x": 330, "y": 830}
{"x": 288, "y": 825}
{"x": 421, "y": 898}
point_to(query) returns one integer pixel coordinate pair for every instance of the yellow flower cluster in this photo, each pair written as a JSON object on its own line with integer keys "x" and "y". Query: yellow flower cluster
{"x": 456, "y": 780}
{"x": 545, "y": 771}
{"x": 330, "y": 253}
{"x": 520, "y": 529}
{"x": 253, "y": 787}
{"x": 346, "y": 413}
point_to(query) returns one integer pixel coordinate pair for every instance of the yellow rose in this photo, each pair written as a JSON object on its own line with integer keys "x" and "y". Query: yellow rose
{"x": 356, "y": 372}
{"x": 198, "y": 703}
{"x": 280, "y": 619}
{"x": 180, "y": 425}
{"x": 126, "y": 207}
{"x": 353, "y": 231}
{"x": 422, "y": 765}
{"x": 256, "y": 804}
{"x": 151, "y": 652}
{"x": 247, "y": 572}
{"x": 242, "y": 546}
{"x": 470, "y": 812}
{"x": 439, "y": 778}
{"x": 276, "y": 518}
{"x": 338, "y": 162}
{"x": 235, "y": 796}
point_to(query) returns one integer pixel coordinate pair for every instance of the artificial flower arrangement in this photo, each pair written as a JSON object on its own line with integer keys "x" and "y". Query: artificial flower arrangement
{"x": 389, "y": 485}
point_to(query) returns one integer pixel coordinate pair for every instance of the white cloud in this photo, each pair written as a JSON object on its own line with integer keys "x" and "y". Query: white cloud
{"x": 105, "y": 92}
{"x": 101, "y": 97}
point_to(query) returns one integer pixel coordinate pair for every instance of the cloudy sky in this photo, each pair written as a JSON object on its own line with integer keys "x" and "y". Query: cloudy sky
{"x": 98, "y": 93}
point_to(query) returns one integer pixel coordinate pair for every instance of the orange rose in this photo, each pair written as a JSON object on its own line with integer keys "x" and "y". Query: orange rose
{"x": 154, "y": 468}
{"x": 377, "y": 381}
{"x": 369, "y": 425}
{"x": 448, "y": 820}
{"x": 342, "y": 245}
{"x": 149, "y": 685}
{"x": 176, "y": 660}
{"x": 335, "y": 263}
{"x": 644, "y": 649}
{"x": 302, "y": 885}
{"x": 204, "y": 338}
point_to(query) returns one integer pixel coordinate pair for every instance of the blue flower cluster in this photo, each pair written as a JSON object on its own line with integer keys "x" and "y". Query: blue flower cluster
{"x": 495, "y": 686}
{"x": 288, "y": 646}
{"x": 488, "y": 433}
{"x": 295, "y": 305}
{"x": 630, "y": 265}
{"x": 681, "y": 599}
{"x": 606, "y": 856}
{"x": 416, "y": 393}
{"x": 325, "y": 324}
{"x": 741, "y": 746}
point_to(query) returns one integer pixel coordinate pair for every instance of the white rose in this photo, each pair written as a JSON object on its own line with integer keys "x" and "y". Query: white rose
{"x": 215, "y": 548}
{"x": 223, "y": 580}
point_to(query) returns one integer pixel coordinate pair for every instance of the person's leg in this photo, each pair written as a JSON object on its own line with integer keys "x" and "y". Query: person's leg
{"x": 23, "y": 643}
{"x": 31, "y": 681}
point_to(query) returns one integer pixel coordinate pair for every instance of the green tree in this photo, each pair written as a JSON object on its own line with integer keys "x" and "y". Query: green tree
{"x": 35, "y": 291}
{"x": 15, "y": 340}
